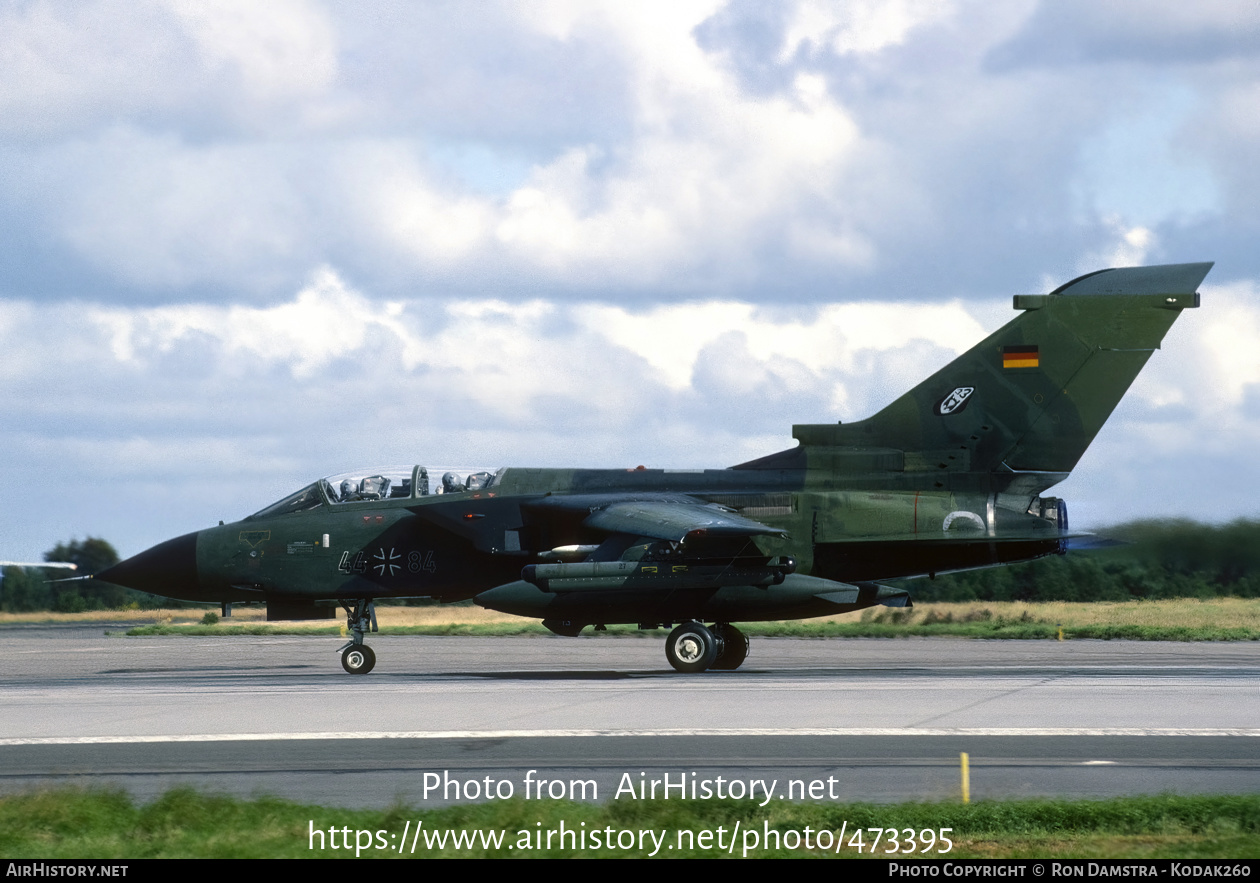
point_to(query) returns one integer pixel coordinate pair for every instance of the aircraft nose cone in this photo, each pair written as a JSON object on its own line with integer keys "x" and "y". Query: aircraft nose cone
{"x": 169, "y": 568}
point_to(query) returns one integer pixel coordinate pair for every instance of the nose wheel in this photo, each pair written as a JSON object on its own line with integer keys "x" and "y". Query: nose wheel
{"x": 358, "y": 660}
{"x": 356, "y": 657}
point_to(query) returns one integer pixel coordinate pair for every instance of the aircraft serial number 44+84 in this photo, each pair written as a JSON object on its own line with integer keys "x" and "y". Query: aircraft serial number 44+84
{"x": 950, "y": 476}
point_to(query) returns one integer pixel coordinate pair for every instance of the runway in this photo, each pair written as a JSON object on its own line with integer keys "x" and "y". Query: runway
{"x": 874, "y": 720}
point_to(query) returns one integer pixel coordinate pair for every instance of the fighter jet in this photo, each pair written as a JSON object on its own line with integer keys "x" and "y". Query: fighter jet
{"x": 947, "y": 477}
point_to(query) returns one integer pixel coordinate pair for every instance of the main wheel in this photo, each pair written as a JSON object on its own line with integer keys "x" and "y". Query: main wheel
{"x": 358, "y": 660}
{"x": 691, "y": 647}
{"x": 734, "y": 647}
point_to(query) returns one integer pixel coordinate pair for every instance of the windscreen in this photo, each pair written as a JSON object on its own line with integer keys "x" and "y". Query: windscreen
{"x": 308, "y": 497}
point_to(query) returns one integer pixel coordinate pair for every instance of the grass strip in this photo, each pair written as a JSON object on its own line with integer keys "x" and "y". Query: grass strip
{"x": 184, "y": 823}
{"x": 1007, "y": 629}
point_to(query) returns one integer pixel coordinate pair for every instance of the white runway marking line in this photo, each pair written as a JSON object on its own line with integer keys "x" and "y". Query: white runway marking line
{"x": 585, "y": 734}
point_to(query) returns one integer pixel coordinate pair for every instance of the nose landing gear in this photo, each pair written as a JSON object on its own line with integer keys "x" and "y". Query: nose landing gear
{"x": 357, "y": 658}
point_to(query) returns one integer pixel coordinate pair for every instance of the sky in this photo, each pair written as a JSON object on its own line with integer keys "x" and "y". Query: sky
{"x": 246, "y": 245}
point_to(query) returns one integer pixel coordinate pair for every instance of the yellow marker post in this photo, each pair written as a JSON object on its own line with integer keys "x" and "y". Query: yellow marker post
{"x": 1060, "y": 631}
{"x": 966, "y": 779}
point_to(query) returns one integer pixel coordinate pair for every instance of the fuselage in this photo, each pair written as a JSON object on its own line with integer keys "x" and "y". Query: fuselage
{"x": 457, "y": 544}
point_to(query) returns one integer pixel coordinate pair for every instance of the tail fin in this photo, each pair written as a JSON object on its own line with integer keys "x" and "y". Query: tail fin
{"x": 1030, "y": 397}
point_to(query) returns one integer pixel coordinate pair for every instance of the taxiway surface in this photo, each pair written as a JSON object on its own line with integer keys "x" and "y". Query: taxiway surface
{"x": 871, "y": 719}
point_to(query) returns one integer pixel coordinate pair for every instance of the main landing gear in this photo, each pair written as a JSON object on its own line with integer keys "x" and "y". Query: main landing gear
{"x": 694, "y": 647}
{"x": 357, "y": 657}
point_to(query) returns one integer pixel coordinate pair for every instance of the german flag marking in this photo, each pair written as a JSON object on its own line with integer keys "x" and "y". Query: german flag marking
{"x": 1020, "y": 357}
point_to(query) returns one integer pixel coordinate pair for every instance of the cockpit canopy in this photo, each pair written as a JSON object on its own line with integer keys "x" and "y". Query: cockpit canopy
{"x": 388, "y": 483}
{"x": 382, "y": 483}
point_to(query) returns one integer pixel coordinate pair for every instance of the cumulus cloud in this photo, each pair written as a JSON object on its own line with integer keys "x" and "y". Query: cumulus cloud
{"x": 1068, "y": 32}
{"x": 1128, "y": 247}
{"x": 1223, "y": 347}
{"x": 707, "y": 176}
{"x": 590, "y": 150}
{"x": 278, "y": 50}
{"x": 859, "y": 27}
{"x": 670, "y": 338}
{"x": 198, "y": 66}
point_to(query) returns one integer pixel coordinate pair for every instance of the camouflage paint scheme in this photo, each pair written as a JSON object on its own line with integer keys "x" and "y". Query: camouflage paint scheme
{"x": 947, "y": 477}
